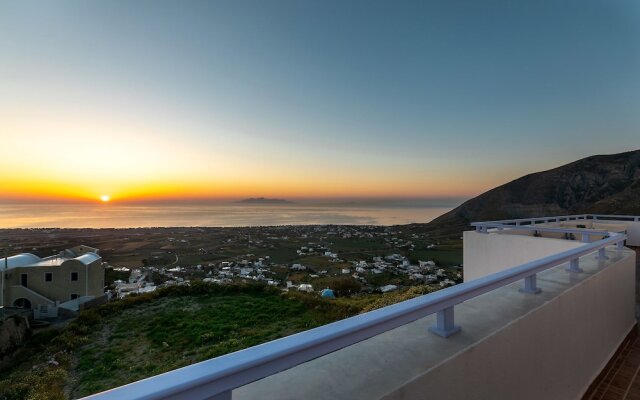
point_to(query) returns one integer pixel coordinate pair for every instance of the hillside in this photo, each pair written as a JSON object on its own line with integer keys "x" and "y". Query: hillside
{"x": 144, "y": 335}
{"x": 141, "y": 336}
{"x": 604, "y": 184}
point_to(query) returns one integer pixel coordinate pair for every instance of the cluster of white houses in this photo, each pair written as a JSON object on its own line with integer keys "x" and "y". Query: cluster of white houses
{"x": 52, "y": 284}
{"x": 261, "y": 269}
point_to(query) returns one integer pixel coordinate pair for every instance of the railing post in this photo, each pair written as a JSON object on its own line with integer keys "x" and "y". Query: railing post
{"x": 530, "y": 285}
{"x": 444, "y": 326}
{"x": 620, "y": 245}
{"x": 586, "y": 238}
{"x": 222, "y": 396}
{"x": 574, "y": 265}
{"x": 602, "y": 255}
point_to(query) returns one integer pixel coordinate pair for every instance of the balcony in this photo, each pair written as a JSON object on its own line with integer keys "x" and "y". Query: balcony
{"x": 545, "y": 305}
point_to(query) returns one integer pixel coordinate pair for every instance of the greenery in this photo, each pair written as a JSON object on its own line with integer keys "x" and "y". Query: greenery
{"x": 443, "y": 258}
{"x": 144, "y": 335}
{"x": 111, "y": 275}
{"x": 341, "y": 285}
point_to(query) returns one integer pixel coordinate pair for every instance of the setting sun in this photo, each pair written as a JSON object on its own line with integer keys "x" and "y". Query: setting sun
{"x": 104, "y": 198}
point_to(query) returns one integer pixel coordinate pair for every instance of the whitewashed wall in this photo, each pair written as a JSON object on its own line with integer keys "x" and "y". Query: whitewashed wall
{"x": 486, "y": 253}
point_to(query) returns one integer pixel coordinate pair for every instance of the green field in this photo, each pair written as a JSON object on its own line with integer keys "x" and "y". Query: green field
{"x": 172, "y": 332}
{"x": 359, "y": 245}
{"x": 142, "y": 336}
{"x": 443, "y": 258}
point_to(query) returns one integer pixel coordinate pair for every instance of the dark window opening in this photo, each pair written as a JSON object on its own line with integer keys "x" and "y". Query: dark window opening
{"x": 48, "y": 276}
{"x": 74, "y": 276}
{"x": 22, "y": 303}
{"x": 24, "y": 279}
{"x": 74, "y": 296}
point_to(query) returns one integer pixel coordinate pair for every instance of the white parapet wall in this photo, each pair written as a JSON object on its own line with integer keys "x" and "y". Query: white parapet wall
{"x": 553, "y": 352}
{"x": 631, "y": 228}
{"x": 487, "y": 253}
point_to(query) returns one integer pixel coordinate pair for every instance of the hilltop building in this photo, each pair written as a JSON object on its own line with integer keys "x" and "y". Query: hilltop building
{"x": 66, "y": 280}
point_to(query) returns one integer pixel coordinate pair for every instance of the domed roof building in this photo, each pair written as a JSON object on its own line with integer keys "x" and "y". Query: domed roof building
{"x": 65, "y": 280}
{"x": 327, "y": 293}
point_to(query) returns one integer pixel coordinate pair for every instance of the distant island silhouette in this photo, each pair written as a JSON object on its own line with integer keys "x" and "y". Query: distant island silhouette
{"x": 263, "y": 200}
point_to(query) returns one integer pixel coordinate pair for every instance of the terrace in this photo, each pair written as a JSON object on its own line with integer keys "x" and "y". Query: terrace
{"x": 545, "y": 305}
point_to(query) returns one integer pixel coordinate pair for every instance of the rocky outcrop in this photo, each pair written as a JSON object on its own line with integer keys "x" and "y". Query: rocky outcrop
{"x": 605, "y": 184}
{"x": 14, "y": 331}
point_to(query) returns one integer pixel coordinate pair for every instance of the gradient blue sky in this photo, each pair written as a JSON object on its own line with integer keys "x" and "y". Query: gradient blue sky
{"x": 309, "y": 98}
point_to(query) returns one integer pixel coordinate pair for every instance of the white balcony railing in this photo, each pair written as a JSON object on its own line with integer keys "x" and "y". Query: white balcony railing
{"x": 533, "y": 221}
{"x": 217, "y": 377}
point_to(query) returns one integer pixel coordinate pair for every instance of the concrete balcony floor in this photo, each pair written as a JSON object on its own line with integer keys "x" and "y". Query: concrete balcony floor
{"x": 620, "y": 379}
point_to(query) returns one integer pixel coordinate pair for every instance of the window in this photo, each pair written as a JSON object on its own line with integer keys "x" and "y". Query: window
{"x": 73, "y": 295}
{"x": 24, "y": 279}
{"x": 48, "y": 276}
{"x": 74, "y": 276}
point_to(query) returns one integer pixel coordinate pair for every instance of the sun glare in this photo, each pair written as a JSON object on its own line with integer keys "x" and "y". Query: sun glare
{"x": 105, "y": 198}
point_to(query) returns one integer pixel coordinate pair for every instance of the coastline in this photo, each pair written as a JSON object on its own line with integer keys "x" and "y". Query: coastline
{"x": 217, "y": 215}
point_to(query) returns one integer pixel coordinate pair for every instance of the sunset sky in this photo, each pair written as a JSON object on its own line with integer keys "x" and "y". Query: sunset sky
{"x": 146, "y": 100}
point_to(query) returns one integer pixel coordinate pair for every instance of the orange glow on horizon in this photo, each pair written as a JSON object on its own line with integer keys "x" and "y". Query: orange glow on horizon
{"x": 55, "y": 157}
{"x": 40, "y": 190}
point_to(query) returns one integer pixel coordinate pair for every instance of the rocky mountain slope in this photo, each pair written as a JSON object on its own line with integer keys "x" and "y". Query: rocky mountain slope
{"x": 603, "y": 184}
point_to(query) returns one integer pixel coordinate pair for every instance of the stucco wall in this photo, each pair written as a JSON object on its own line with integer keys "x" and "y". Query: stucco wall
{"x": 486, "y": 253}
{"x": 554, "y": 352}
{"x": 61, "y": 287}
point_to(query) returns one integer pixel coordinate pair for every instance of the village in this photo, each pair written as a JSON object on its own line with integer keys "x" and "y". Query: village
{"x": 328, "y": 260}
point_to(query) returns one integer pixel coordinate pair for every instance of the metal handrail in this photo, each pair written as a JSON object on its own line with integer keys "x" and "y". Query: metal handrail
{"x": 538, "y": 219}
{"x": 614, "y": 217}
{"x": 561, "y": 218}
{"x": 578, "y": 231}
{"x": 215, "y": 378}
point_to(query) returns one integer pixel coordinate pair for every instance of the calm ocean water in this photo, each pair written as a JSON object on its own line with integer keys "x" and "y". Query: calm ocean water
{"x": 131, "y": 216}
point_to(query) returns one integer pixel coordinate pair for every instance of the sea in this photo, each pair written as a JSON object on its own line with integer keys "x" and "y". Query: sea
{"x": 114, "y": 215}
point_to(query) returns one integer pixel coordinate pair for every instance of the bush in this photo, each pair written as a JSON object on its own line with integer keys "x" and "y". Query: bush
{"x": 388, "y": 299}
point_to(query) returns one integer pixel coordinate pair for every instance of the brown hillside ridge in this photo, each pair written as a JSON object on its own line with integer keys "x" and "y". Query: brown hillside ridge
{"x": 604, "y": 184}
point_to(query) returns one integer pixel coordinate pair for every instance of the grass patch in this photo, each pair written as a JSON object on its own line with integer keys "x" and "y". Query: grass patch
{"x": 145, "y": 335}
{"x": 444, "y": 258}
{"x": 358, "y": 244}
